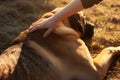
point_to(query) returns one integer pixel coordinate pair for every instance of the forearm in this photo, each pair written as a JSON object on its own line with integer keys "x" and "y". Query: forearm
{"x": 73, "y": 7}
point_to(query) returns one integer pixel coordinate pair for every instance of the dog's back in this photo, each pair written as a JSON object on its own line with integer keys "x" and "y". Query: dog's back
{"x": 33, "y": 57}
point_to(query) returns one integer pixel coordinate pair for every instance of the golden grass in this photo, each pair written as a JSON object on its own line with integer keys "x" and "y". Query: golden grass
{"x": 16, "y": 15}
{"x": 107, "y": 31}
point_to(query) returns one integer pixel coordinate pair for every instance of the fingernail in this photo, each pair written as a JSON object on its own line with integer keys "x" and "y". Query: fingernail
{"x": 31, "y": 30}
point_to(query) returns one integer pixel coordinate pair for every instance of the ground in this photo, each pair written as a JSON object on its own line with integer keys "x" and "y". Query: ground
{"x": 16, "y": 15}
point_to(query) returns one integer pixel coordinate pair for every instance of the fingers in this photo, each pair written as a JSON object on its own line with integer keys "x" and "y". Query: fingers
{"x": 32, "y": 29}
{"x": 45, "y": 24}
{"x": 41, "y": 25}
{"x": 48, "y": 32}
{"x": 37, "y": 27}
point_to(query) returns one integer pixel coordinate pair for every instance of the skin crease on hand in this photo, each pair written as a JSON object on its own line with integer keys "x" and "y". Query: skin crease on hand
{"x": 51, "y": 23}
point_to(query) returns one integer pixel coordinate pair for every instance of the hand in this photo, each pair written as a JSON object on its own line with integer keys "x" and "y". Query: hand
{"x": 49, "y": 24}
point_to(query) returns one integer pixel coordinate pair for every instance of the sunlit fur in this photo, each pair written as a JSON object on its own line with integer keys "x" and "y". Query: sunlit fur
{"x": 60, "y": 56}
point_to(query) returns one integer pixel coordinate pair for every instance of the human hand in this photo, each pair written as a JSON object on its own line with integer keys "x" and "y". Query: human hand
{"x": 49, "y": 24}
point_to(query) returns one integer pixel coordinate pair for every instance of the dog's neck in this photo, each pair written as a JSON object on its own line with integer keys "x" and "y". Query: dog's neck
{"x": 60, "y": 37}
{"x": 61, "y": 34}
{"x": 62, "y": 42}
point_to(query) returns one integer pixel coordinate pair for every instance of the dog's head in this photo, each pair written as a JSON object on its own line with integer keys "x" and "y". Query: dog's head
{"x": 74, "y": 26}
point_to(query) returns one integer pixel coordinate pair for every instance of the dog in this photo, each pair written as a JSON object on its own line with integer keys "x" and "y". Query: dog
{"x": 63, "y": 55}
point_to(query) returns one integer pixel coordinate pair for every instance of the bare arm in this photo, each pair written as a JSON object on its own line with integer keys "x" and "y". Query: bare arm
{"x": 71, "y": 8}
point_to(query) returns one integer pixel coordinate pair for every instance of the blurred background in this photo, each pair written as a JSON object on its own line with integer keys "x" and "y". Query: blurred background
{"x": 17, "y": 15}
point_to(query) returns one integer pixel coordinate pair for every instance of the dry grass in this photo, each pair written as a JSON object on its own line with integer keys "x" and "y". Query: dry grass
{"x": 16, "y": 15}
{"x": 107, "y": 31}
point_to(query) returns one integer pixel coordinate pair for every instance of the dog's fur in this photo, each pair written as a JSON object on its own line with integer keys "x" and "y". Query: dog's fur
{"x": 62, "y": 55}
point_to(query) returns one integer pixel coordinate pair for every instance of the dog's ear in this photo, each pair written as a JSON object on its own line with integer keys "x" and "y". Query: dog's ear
{"x": 23, "y": 35}
{"x": 88, "y": 31}
{"x": 79, "y": 23}
{"x": 74, "y": 21}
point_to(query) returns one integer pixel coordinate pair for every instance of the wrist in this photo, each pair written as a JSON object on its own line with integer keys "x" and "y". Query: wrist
{"x": 54, "y": 18}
